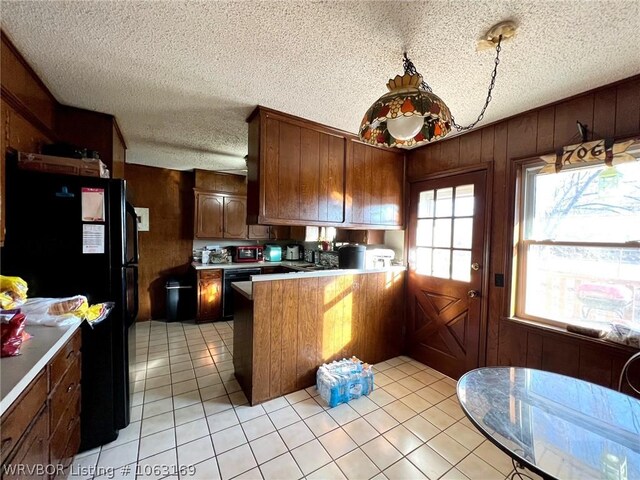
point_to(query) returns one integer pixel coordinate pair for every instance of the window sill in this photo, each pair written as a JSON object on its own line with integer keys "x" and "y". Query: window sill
{"x": 555, "y": 329}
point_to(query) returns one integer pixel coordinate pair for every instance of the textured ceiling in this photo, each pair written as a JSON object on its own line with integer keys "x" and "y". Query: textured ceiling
{"x": 181, "y": 77}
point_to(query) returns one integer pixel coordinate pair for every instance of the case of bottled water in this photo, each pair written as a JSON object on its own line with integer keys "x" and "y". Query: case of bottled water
{"x": 340, "y": 381}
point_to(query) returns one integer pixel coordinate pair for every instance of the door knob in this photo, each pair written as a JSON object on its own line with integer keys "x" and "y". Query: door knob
{"x": 473, "y": 293}
{"x": 475, "y": 266}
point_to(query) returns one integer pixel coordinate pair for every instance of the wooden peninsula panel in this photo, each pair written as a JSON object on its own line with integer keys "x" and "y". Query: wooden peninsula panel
{"x": 293, "y": 326}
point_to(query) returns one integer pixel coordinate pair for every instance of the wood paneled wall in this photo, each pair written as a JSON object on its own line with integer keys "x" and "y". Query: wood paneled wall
{"x": 296, "y": 325}
{"x": 165, "y": 250}
{"x": 613, "y": 110}
{"x": 564, "y": 353}
{"x": 221, "y": 182}
{"x": 27, "y": 111}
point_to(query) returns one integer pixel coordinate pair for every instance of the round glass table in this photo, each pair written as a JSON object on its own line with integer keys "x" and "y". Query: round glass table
{"x": 558, "y": 427}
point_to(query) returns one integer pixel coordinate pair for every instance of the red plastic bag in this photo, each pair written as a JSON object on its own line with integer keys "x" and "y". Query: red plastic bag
{"x": 12, "y": 335}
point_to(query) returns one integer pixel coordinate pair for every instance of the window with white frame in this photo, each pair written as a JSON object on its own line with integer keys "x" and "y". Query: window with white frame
{"x": 578, "y": 256}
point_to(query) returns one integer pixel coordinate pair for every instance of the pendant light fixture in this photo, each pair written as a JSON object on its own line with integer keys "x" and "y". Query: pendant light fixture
{"x": 410, "y": 114}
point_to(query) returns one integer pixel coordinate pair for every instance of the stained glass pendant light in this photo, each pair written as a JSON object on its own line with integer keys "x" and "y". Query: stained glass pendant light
{"x": 410, "y": 114}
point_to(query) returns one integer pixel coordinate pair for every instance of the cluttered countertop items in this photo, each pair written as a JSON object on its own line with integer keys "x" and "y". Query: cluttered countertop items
{"x": 33, "y": 330}
{"x": 295, "y": 257}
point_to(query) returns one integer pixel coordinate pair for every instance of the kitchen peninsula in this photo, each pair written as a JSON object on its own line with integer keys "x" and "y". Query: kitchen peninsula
{"x": 286, "y": 325}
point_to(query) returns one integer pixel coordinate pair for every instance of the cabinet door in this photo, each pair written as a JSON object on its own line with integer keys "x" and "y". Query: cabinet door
{"x": 375, "y": 186}
{"x": 209, "y": 295}
{"x": 302, "y": 174}
{"x": 235, "y": 217}
{"x": 209, "y": 215}
{"x": 32, "y": 451}
{"x": 259, "y": 232}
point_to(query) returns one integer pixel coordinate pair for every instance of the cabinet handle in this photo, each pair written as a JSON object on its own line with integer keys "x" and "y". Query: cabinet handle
{"x": 71, "y": 422}
{"x": 70, "y": 387}
{"x": 69, "y": 354}
{"x": 6, "y": 441}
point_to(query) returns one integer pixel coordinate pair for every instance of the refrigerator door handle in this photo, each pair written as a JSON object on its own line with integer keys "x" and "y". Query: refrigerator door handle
{"x": 131, "y": 310}
{"x": 132, "y": 212}
{"x": 136, "y": 305}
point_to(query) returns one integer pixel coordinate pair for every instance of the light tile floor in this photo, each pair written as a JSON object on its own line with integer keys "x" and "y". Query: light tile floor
{"x": 189, "y": 411}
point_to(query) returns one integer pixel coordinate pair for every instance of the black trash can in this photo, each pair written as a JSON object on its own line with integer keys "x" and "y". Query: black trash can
{"x": 179, "y": 300}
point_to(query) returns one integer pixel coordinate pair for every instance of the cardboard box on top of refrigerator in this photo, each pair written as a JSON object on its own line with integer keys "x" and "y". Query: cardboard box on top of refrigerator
{"x": 88, "y": 167}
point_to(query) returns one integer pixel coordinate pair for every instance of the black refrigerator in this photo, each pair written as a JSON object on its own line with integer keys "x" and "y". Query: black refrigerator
{"x": 69, "y": 235}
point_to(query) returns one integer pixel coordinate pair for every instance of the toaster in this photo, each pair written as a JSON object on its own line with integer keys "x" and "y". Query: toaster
{"x": 272, "y": 253}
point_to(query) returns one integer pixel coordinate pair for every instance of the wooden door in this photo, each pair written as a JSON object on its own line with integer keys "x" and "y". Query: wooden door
{"x": 209, "y": 215}
{"x": 446, "y": 265}
{"x": 235, "y": 217}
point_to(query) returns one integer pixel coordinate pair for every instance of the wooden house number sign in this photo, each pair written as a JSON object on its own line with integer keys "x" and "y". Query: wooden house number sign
{"x": 605, "y": 151}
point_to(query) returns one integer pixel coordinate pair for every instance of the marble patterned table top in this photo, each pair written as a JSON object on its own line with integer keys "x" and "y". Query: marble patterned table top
{"x": 557, "y": 426}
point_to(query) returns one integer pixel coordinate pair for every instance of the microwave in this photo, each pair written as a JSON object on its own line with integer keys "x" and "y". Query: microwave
{"x": 251, "y": 253}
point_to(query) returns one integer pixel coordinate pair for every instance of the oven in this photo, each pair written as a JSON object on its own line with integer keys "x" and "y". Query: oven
{"x": 234, "y": 275}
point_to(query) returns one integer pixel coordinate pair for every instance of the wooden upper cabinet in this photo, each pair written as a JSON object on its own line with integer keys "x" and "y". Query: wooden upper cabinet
{"x": 303, "y": 173}
{"x": 220, "y": 216}
{"x": 296, "y": 171}
{"x": 209, "y": 215}
{"x": 259, "y": 232}
{"x": 235, "y": 217}
{"x": 374, "y": 186}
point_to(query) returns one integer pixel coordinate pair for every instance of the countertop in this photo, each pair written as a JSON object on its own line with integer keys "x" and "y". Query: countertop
{"x": 325, "y": 273}
{"x": 17, "y": 372}
{"x": 226, "y": 266}
{"x": 246, "y": 288}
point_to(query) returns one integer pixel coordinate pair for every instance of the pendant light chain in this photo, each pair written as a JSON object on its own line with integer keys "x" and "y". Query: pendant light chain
{"x": 411, "y": 69}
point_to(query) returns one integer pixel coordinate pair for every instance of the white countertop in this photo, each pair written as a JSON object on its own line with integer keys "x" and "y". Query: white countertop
{"x": 246, "y": 287}
{"x": 225, "y": 266}
{"x": 17, "y": 372}
{"x": 324, "y": 273}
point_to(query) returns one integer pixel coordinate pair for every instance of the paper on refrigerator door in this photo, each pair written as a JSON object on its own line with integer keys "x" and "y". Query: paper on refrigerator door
{"x": 93, "y": 238}
{"x": 92, "y": 204}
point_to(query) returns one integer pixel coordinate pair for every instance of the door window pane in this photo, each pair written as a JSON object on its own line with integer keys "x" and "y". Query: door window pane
{"x": 441, "y": 263}
{"x": 423, "y": 261}
{"x": 462, "y": 232}
{"x": 424, "y": 237}
{"x": 442, "y": 233}
{"x": 426, "y": 205}
{"x": 464, "y": 201}
{"x": 461, "y": 265}
{"x": 444, "y": 202}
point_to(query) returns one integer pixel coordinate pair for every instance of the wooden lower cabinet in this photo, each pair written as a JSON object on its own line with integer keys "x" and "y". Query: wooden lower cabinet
{"x": 41, "y": 429}
{"x": 31, "y": 456}
{"x": 209, "y": 295}
{"x": 292, "y": 326}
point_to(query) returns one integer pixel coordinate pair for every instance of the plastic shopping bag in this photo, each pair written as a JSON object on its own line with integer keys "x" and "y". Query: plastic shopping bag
{"x": 13, "y": 292}
{"x": 55, "y": 312}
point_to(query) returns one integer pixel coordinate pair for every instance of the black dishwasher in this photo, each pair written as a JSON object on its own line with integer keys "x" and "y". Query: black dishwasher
{"x": 230, "y": 276}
